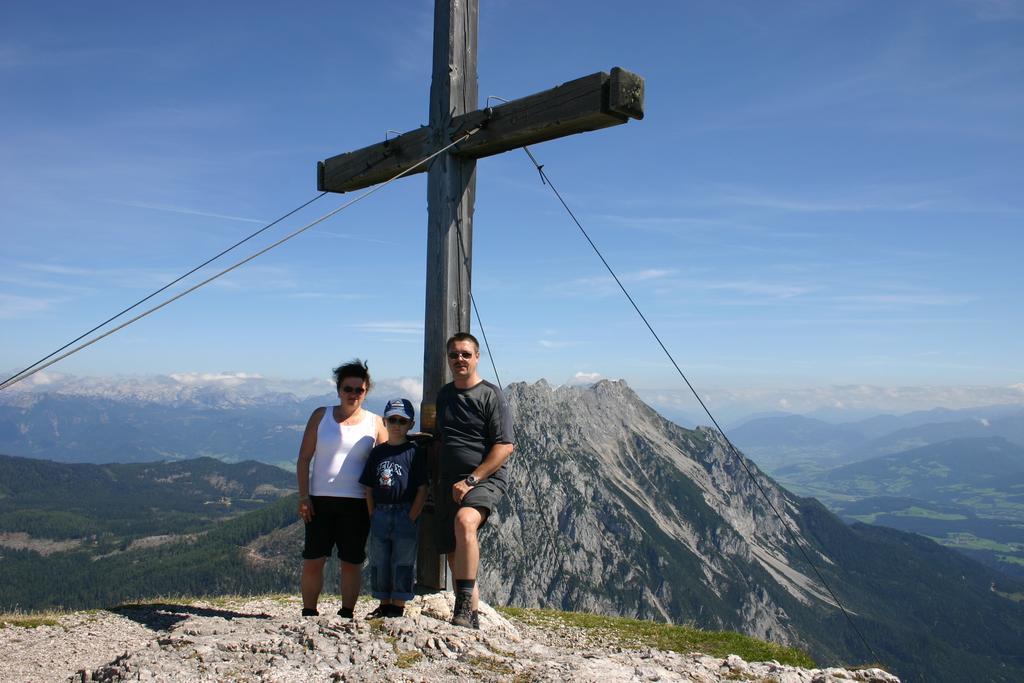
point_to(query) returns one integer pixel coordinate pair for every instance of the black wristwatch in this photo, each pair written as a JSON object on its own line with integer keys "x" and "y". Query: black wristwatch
{"x": 472, "y": 480}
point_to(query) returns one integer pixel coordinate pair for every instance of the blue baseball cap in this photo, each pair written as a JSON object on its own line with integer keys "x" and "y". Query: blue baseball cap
{"x": 400, "y": 406}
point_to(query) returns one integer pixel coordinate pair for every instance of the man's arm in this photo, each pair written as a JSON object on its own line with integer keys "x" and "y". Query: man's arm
{"x": 306, "y": 451}
{"x": 494, "y": 459}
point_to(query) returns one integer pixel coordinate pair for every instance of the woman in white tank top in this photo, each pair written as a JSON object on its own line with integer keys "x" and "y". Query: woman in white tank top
{"x": 332, "y": 502}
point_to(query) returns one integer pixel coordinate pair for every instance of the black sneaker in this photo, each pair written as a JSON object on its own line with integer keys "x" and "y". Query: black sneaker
{"x": 345, "y": 613}
{"x": 396, "y": 611}
{"x": 462, "y": 615}
{"x": 381, "y": 612}
{"x": 310, "y": 612}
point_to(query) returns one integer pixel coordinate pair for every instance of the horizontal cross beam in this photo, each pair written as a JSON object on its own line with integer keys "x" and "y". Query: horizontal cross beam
{"x": 596, "y": 101}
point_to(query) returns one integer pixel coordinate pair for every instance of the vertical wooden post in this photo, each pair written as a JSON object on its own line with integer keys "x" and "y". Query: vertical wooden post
{"x": 451, "y": 188}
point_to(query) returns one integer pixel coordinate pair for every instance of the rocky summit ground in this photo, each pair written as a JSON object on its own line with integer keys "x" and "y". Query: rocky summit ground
{"x": 265, "y": 639}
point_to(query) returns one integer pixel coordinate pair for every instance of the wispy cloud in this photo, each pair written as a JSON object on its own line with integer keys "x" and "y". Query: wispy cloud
{"x": 758, "y": 288}
{"x": 399, "y": 327}
{"x": 856, "y": 399}
{"x": 183, "y": 210}
{"x": 36, "y": 283}
{"x": 356, "y": 238}
{"x": 13, "y": 56}
{"x": 582, "y": 377}
{"x": 225, "y": 378}
{"x": 681, "y": 225}
{"x": 555, "y": 344}
{"x": 649, "y": 274}
{"x": 868, "y": 199}
{"x": 327, "y": 296}
{"x": 996, "y": 10}
{"x": 894, "y": 300}
{"x": 120, "y": 277}
{"x": 405, "y": 38}
{"x": 609, "y": 283}
{"x": 259, "y": 279}
{"x": 13, "y": 306}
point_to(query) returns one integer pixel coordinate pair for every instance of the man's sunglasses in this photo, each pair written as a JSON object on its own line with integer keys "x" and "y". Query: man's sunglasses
{"x": 354, "y": 390}
{"x": 394, "y": 420}
{"x": 456, "y": 355}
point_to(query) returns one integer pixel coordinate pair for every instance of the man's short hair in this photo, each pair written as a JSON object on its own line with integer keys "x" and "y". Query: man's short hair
{"x": 462, "y": 337}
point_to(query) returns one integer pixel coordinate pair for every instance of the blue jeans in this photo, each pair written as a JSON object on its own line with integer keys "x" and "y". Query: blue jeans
{"x": 393, "y": 540}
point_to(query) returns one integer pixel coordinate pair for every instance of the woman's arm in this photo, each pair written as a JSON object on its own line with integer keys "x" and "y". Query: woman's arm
{"x": 369, "y": 499}
{"x": 382, "y": 431}
{"x": 306, "y": 450}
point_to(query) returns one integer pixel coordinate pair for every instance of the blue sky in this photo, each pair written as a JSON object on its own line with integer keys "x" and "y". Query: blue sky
{"x": 822, "y": 195}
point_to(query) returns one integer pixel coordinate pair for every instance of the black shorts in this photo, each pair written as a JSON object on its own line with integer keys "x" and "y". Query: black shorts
{"x": 341, "y": 522}
{"x": 484, "y": 497}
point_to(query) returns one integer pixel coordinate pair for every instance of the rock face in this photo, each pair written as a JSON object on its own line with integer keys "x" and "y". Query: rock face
{"x": 265, "y": 639}
{"x": 615, "y": 510}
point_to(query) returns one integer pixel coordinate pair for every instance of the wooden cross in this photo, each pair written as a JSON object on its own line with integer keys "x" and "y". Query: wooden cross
{"x": 588, "y": 103}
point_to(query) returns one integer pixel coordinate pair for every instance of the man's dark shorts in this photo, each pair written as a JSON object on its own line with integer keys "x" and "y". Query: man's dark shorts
{"x": 484, "y": 497}
{"x": 341, "y": 522}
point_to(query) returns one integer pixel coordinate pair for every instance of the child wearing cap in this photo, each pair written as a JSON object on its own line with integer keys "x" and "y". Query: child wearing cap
{"x": 395, "y": 478}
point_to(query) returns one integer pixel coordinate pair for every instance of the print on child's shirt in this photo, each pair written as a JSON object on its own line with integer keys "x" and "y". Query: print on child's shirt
{"x": 387, "y": 471}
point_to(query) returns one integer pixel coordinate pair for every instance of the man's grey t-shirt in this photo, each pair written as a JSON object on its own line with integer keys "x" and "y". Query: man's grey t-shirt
{"x": 470, "y": 421}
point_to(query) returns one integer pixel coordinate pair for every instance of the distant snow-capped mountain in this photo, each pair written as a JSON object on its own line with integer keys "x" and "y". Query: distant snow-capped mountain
{"x": 205, "y": 390}
{"x": 230, "y": 416}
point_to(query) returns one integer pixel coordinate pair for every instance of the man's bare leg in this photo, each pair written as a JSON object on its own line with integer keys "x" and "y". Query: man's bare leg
{"x": 466, "y": 560}
{"x": 456, "y": 575}
{"x": 312, "y": 581}
{"x": 351, "y": 582}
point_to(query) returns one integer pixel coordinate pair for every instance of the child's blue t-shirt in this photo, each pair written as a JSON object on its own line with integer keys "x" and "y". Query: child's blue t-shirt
{"x": 395, "y": 472}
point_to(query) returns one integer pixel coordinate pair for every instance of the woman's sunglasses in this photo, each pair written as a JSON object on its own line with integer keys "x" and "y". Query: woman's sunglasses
{"x": 354, "y": 390}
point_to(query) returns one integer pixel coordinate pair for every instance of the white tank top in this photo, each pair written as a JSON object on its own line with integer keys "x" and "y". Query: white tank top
{"x": 340, "y": 455}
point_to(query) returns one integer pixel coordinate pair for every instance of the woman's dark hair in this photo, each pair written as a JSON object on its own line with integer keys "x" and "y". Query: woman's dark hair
{"x": 353, "y": 368}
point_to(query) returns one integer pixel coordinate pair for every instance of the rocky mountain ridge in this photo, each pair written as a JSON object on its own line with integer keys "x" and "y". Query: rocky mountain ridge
{"x": 264, "y": 639}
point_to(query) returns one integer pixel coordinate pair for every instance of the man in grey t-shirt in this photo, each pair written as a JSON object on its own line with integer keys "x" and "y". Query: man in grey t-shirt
{"x": 475, "y": 427}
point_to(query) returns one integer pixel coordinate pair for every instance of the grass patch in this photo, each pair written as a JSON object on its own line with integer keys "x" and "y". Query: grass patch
{"x": 971, "y": 542}
{"x": 867, "y": 519}
{"x": 489, "y": 664}
{"x": 930, "y": 514}
{"x": 1015, "y": 597}
{"x": 27, "y": 621}
{"x": 407, "y": 659}
{"x": 635, "y": 633}
{"x": 1010, "y": 558}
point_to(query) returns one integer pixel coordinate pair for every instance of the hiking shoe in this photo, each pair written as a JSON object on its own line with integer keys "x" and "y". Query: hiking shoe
{"x": 310, "y": 612}
{"x": 462, "y": 615}
{"x": 345, "y": 613}
{"x": 475, "y": 621}
{"x": 395, "y": 611}
{"x": 381, "y": 612}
